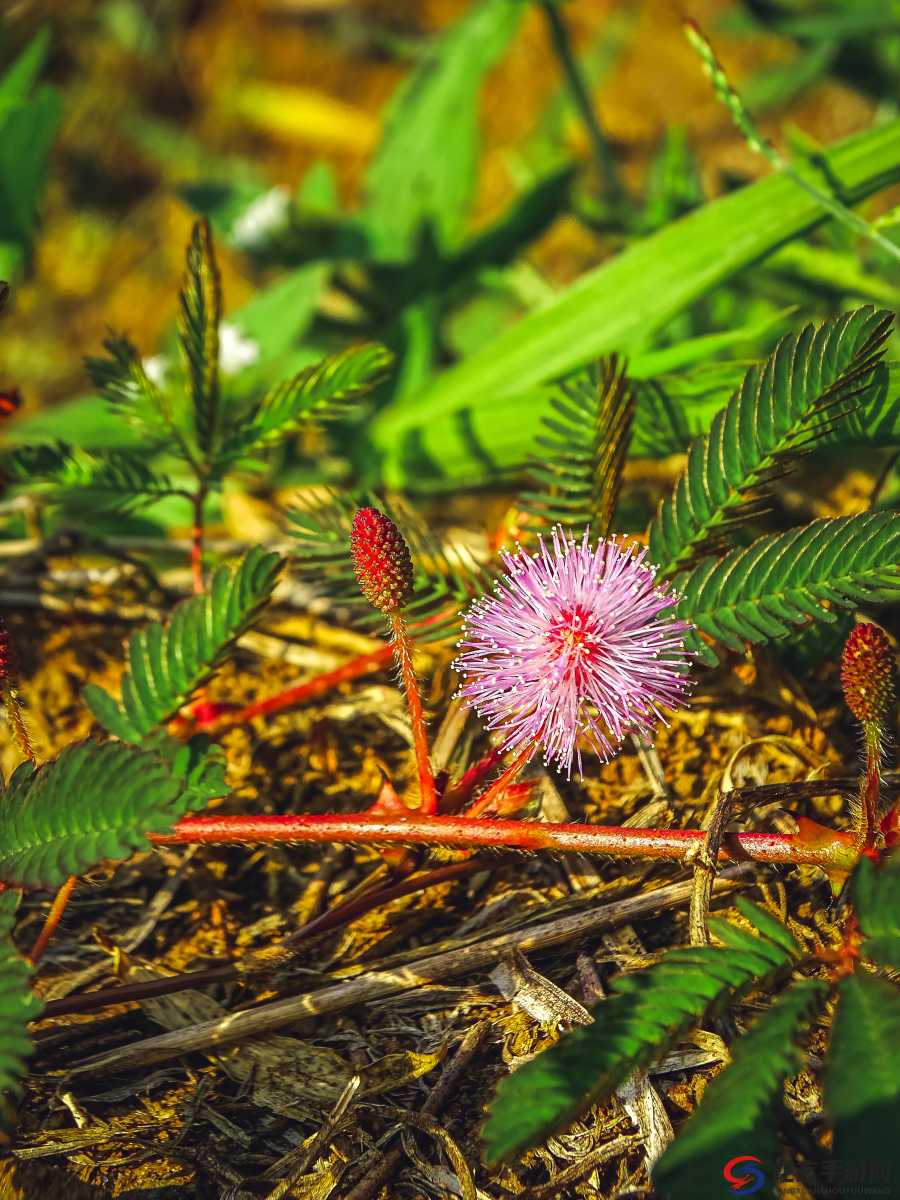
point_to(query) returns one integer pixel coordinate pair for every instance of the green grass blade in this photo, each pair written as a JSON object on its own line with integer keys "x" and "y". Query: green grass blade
{"x": 620, "y": 304}
{"x": 407, "y": 188}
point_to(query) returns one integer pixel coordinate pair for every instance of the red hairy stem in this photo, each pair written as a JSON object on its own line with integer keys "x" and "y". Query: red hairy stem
{"x": 815, "y": 846}
{"x": 53, "y": 918}
{"x": 310, "y": 689}
{"x": 870, "y": 789}
{"x": 403, "y": 652}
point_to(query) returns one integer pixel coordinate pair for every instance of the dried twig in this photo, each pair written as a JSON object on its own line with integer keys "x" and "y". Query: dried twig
{"x": 378, "y": 985}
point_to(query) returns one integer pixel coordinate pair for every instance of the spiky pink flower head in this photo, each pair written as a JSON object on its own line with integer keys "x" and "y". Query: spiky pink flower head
{"x": 578, "y": 643}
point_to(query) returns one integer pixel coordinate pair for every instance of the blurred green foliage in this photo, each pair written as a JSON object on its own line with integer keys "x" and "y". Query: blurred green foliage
{"x": 688, "y": 287}
{"x": 29, "y": 117}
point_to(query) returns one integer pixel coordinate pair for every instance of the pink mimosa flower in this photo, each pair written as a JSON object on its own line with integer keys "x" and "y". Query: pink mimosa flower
{"x": 577, "y": 643}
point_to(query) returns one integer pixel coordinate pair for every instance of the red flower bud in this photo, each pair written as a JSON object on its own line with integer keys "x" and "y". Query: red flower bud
{"x": 9, "y": 662}
{"x": 381, "y": 560}
{"x": 867, "y": 673}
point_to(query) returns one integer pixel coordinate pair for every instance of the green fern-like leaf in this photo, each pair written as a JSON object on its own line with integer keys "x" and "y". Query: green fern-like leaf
{"x": 444, "y": 581}
{"x": 785, "y": 579}
{"x": 93, "y": 802}
{"x": 811, "y": 380}
{"x": 18, "y": 1006}
{"x": 583, "y": 448}
{"x": 198, "y": 332}
{"x": 648, "y": 1012}
{"x": 325, "y": 391}
{"x": 862, "y": 1071}
{"x": 741, "y": 1105}
{"x": 876, "y": 902}
{"x": 95, "y": 480}
{"x": 198, "y": 763}
{"x": 120, "y": 378}
{"x": 168, "y": 662}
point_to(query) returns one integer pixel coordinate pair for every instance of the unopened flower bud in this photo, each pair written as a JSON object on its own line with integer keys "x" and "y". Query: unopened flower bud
{"x": 867, "y": 673}
{"x": 9, "y": 662}
{"x": 381, "y": 560}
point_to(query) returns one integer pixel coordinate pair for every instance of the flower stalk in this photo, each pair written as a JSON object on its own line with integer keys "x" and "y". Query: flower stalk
{"x": 384, "y": 571}
{"x": 402, "y": 647}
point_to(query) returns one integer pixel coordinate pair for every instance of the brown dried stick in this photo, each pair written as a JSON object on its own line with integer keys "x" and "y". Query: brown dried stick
{"x": 378, "y": 985}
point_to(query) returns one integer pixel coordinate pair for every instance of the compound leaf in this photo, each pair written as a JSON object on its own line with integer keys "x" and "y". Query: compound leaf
{"x": 198, "y": 332}
{"x": 324, "y": 391}
{"x": 740, "y": 1106}
{"x": 876, "y": 902}
{"x": 168, "y": 662}
{"x": 862, "y": 1071}
{"x": 120, "y": 377}
{"x": 582, "y": 450}
{"x": 758, "y": 593}
{"x": 18, "y": 1006}
{"x": 93, "y": 802}
{"x": 781, "y": 409}
{"x": 95, "y": 480}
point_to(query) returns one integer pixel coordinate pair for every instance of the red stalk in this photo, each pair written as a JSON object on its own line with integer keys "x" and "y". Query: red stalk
{"x": 403, "y": 651}
{"x": 54, "y": 916}
{"x": 826, "y": 848}
{"x": 310, "y": 689}
{"x": 870, "y": 790}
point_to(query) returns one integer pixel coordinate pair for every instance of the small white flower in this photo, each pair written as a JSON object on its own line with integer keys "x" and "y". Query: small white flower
{"x": 156, "y": 369}
{"x": 266, "y": 215}
{"x": 235, "y": 350}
